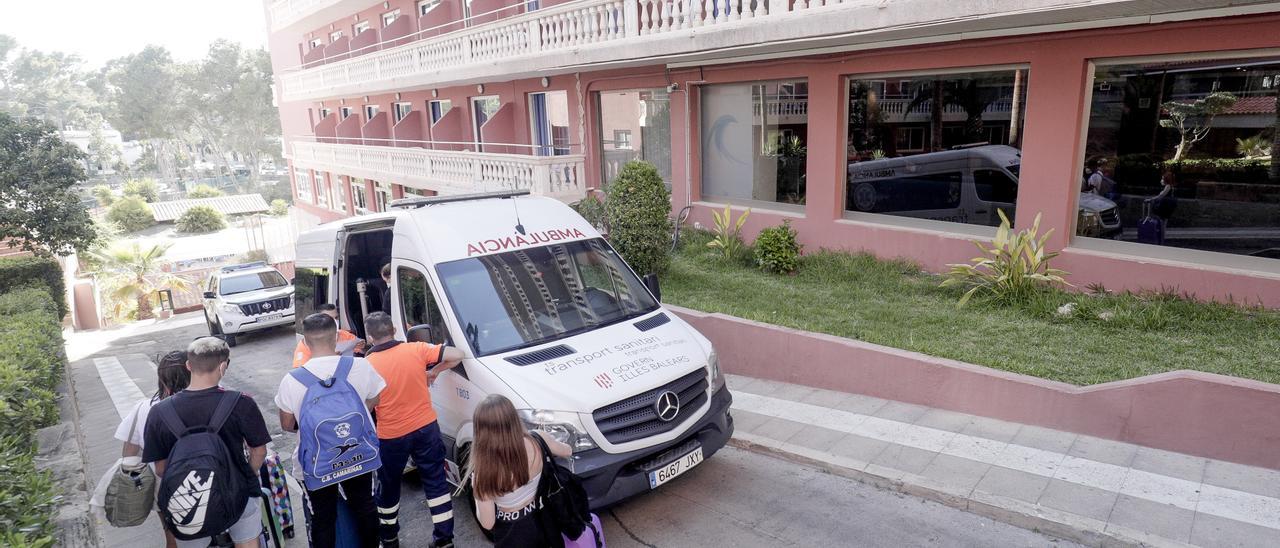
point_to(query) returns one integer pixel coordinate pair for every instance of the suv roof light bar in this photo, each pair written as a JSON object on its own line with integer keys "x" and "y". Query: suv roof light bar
{"x": 423, "y": 201}
{"x": 244, "y": 266}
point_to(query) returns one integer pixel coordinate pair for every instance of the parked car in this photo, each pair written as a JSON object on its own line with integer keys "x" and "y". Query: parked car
{"x": 246, "y": 297}
{"x": 966, "y": 185}
{"x": 548, "y": 314}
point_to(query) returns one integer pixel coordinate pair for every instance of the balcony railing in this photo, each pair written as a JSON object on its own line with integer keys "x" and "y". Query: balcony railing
{"x": 450, "y": 172}
{"x": 563, "y": 27}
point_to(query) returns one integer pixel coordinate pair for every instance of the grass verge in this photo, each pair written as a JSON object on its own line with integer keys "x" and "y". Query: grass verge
{"x": 893, "y": 303}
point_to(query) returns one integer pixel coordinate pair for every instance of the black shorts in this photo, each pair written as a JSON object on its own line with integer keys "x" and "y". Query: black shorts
{"x": 518, "y": 529}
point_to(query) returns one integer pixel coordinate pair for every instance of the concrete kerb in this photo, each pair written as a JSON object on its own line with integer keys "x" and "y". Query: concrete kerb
{"x": 62, "y": 452}
{"x": 1006, "y": 510}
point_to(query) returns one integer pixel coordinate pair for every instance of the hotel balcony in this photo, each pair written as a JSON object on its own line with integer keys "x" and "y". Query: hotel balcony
{"x": 599, "y": 34}
{"x": 449, "y": 171}
{"x": 285, "y": 14}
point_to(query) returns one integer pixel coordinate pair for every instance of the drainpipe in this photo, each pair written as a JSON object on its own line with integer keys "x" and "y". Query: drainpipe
{"x": 688, "y": 140}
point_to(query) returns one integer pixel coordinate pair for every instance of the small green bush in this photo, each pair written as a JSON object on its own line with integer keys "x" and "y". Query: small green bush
{"x": 728, "y": 239}
{"x": 103, "y": 194}
{"x": 204, "y": 191}
{"x": 131, "y": 214}
{"x": 636, "y": 210}
{"x": 31, "y": 365}
{"x": 1012, "y": 270}
{"x": 777, "y": 250}
{"x": 201, "y": 219}
{"x": 279, "y": 207}
{"x": 25, "y": 272}
{"x": 592, "y": 209}
{"x": 147, "y": 189}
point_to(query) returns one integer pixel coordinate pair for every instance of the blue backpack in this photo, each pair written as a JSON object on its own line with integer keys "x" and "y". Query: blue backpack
{"x": 336, "y": 437}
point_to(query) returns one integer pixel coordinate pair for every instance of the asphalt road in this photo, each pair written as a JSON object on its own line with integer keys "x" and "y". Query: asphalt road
{"x": 735, "y": 498}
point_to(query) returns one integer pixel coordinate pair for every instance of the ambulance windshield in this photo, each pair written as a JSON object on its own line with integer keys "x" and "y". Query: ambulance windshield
{"x": 532, "y": 296}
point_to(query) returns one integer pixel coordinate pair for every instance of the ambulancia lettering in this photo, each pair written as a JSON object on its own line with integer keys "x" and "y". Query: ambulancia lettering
{"x": 516, "y": 241}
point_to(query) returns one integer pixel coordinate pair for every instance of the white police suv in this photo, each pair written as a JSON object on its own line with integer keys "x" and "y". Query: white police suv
{"x": 246, "y": 297}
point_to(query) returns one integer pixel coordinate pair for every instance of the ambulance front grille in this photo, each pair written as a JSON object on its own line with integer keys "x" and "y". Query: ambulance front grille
{"x": 635, "y": 417}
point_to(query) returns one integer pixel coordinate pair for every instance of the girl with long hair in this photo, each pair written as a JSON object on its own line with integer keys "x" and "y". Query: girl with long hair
{"x": 172, "y": 377}
{"x": 506, "y": 464}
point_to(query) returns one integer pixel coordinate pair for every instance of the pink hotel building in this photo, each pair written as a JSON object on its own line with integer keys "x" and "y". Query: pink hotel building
{"x": 897, "y": 127}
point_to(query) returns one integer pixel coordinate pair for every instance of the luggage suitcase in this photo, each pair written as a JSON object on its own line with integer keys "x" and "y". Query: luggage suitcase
{"x": 275, "y": 481}
{"x": 591, "y": 537}
{"x": 272, "y": 535}
{"x": 1150, "y": 228}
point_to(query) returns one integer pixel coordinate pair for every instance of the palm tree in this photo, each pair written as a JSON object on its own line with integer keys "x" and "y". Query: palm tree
{"x": 973, "y": 95}
{"x": 135, "y": 274}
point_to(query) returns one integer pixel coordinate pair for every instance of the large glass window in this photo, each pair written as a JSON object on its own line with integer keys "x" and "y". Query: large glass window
{"x": 418, "y": 306}
{"x": 634, "y": 125}
{"x": 302, "y": 180}
{"x": 310, "y": 290}
{"x": 523, "y": 298}
{"x": 1188, "y": 150}
{"x": 549, "y": 122}
{"x": 754, "y": 141}
{"x": 943, "y": 147}
{"x": 358, "y": 197}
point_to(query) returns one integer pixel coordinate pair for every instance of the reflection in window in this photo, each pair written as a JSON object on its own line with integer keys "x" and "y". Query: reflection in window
{"x": 754, "y": 141}
{"x": 310, "y": 290}
{"x": 418, "y": 305}
{"x": 942, "y": 147}
{"x": 634, "y": 125}
{"x": 1188, "y": 150}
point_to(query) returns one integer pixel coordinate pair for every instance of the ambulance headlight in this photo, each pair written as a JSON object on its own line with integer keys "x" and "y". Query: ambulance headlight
{"x": 717, "y": 377}
{"x": 563, "y": 427}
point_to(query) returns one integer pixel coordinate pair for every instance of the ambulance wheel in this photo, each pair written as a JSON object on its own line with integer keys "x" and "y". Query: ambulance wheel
{"x": 864, "y": 197}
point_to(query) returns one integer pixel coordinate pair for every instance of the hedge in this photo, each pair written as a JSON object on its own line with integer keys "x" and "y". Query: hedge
{"x": 32, "y": 361}
{"x": 40, "y": 272}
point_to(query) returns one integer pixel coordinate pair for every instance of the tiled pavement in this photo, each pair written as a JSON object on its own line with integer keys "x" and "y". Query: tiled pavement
{"x": 1092, "y": 490}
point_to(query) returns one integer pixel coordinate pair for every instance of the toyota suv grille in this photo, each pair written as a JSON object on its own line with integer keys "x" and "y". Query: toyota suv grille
{"x": 279, "y": 304}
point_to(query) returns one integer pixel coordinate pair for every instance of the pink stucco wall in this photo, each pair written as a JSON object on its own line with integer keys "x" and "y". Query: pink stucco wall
{"x": 1189, "y": 412}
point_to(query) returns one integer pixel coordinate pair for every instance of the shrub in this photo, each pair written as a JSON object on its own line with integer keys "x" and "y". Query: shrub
{"x": 31, "y": 365}
{"x": 727, "y": 234}
{"x": 103, "y": 194}
{"x": 279, "y": 207}
{"x": 1013, "y": 269}
{"x": 147, "y": 189}
{"x": 204, "y": 191}
{"x": 131, "y": 214}
{"x": 43, "y": 273}
{"x": 636, "y": 210}
{"x": 201, "y": 219}
{"x": 592, "y": 209}
{"x": 777, "y": 250}
{"x": 255, "y": 255}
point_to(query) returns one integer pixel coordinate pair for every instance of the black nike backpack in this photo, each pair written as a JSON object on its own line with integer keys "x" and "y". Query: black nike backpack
{"x": 203, "y": 491}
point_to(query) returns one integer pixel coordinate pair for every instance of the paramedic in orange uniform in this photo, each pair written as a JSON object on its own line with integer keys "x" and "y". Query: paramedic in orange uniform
{"x": 301, "y": 353}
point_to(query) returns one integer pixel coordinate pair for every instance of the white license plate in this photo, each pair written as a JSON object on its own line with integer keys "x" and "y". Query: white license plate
{"x": 679, "y": 466}
{"x": 270, "y": 317}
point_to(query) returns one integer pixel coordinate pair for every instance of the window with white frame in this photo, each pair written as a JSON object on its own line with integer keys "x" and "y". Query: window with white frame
{"x": 339, "y": 194}
{"x": 322, "y": 189}
{"x": 439, "y": 108}
{"x": 622, "y": 139}
{"x": 360, "y": 27}
{"x": 302, "y": 180}
{"x": 400, "y": 110}
{"x": 425, "y": 6}
{"x": 369, "y": 112}
{"x": 381, "y": 195}
{"x": 324, "y": 113}
{"x": 358, "y": 198}
{"x": 317, "y": 43}
{"x": 345, "y": 112}
{"x": 335, "y": 36}
{"x": 482, "y": 109}
{"x": 549, "y": 122}
{"x": 390, "y": 17}
{"x": 411, "y": 191}
{"x": 634, "y": 125}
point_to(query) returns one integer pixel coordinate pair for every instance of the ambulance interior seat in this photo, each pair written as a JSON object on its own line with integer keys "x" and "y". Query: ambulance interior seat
{"x": 366, "y": 252}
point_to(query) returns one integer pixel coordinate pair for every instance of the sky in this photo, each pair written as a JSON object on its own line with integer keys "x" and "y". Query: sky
{"x": 100, "y": 30}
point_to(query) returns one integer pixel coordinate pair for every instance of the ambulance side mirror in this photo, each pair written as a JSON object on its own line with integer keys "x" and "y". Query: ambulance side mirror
{"x": 419, "y": 333}
{"x": 651, "y": 282}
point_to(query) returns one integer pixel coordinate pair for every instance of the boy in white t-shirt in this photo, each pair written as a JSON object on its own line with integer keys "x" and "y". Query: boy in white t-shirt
{"x": 321, "y": 334}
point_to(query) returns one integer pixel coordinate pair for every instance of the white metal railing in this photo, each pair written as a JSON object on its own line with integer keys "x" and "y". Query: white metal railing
{"x": 570, "y": 25}
{"x": 451, "y": 172}
{"x": 287, "y": 12}
{"x": 899, "y": 106}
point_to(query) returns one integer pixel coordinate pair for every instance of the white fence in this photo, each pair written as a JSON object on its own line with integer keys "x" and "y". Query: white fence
{"x": 450, "y": 172}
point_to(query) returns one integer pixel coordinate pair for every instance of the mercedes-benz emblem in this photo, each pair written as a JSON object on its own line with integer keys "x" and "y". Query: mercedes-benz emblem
{"x": 667, "y": 406}
{"x": 266, "y": 306}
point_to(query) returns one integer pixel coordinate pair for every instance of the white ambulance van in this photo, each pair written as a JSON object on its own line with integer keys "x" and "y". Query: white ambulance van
{"x": 965, "y": 185}
{"x": 548, "y": 314}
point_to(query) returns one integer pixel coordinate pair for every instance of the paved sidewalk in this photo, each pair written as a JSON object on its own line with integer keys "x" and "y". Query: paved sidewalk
{"x": 1094, "y": 491}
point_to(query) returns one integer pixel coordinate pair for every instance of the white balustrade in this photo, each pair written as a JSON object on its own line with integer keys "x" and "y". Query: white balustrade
{"x": 569, "y": 25}
{"x": 450, "y": 172}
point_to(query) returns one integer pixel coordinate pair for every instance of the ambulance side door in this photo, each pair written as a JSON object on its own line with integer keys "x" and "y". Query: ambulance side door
{"x": 453, "y": 394}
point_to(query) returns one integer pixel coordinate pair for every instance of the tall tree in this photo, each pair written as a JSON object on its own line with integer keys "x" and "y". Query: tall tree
{"x": 1193, "y": 120}
{"x": 138, "y": 90}
{"x": 38, "y": 170}
{"x": 227, "y": 98}
{"x": 49, "y": 86}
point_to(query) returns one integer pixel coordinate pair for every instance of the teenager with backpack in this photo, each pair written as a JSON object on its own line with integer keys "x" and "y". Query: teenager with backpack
{"x": 521, "y": 494}
{"x": 407, "y": 426}
{"x": 197, "y": 439}
{"x": 327, "y": 402}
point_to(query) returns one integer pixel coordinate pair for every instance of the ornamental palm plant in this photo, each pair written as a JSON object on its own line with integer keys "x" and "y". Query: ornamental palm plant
{"x": 134, "y": 273}
{"x": 1011, "y": 269}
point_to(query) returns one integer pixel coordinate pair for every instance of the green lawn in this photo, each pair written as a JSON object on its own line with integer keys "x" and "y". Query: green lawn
{"x": 893, "y": 303}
